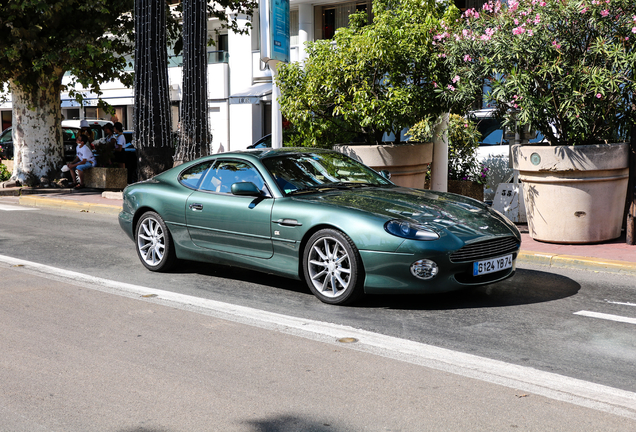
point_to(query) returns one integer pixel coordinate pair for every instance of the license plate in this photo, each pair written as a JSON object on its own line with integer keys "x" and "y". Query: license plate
{"x": 492, "y": 265}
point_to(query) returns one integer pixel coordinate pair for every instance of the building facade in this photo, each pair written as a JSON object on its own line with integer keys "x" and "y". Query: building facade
{"x": 239, "y": 83}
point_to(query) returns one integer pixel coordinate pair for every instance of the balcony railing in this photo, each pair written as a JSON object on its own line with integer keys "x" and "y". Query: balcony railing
{"x": 214, "y": 57}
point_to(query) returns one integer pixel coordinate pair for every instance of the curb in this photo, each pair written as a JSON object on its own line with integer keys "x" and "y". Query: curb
{"x": 577, "y": 262}
{"x": 22, "y": 190}
{"x": 80, "y": 206}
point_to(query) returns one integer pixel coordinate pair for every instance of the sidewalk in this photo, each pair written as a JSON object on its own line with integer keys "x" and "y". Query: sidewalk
{"x": 613, "y": 256}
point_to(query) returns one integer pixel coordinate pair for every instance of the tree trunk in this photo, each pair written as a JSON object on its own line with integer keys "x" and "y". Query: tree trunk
{"x": 194, "y": 137}
{"x": 37, "y": 131}
{"x": 152, "y": 100}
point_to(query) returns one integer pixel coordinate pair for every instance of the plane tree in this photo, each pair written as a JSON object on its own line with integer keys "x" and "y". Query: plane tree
{"x": 41, "y": 41}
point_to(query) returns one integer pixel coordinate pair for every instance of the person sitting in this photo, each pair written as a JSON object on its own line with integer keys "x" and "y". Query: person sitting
{"x": 106, "y": 147}
{"x": 120, "y": 145}
{"x": 84, "y": 160}
{"x": 85, "y": 129}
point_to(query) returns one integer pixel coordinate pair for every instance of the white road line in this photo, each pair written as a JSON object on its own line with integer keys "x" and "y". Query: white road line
{"x": 558, "y": 387}
{"x": 6, "y": 207}
{"x": 605, "y": 316}
{"x": 620, "y": 303}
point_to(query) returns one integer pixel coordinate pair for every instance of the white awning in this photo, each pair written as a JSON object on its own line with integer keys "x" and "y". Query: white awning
{"x": 92, "y": 100}
{"x": 253, "y": 94}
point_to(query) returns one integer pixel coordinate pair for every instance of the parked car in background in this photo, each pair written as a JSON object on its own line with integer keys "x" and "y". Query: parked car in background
{"x": 70, "y": 130}
{"x": 128, "y": 134}
{"x": 95, "y": 125}
{"x": 264, "y": 142}
{"x": 6, "y": 143}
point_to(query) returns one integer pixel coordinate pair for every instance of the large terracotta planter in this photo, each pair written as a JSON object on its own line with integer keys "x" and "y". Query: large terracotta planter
{"x": 407, "y": 163}
{"x": 573, "y": 194}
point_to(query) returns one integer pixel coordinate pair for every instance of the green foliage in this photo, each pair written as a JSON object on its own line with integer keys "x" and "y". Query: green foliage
{"x": 371, "y": 79}
{"x": 463, "y": 140}
{"x": 4, "y": 173}
{"x": 40, "y": 40}
{"x": 562, "y": 64}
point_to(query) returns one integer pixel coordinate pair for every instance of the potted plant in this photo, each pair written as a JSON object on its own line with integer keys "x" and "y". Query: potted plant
{"x": 368, "y": 84}
{"x": 565, "y": 68}
{"x": 466, "y": 176}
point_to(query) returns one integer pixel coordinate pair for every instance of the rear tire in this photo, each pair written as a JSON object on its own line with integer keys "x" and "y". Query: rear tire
{"x": 154, "y": 243}
{"x": 333, "y": 268}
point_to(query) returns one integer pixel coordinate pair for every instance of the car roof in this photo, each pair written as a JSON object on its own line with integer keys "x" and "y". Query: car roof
{"x": 91, "y": 122}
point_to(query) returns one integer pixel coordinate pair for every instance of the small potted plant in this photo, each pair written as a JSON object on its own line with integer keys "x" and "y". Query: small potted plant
{"x": 466, "y": 176}
{"x": 566, "y": 69}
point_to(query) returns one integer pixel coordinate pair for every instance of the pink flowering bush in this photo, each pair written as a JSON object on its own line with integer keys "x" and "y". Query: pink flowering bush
{"x": 565, "y": 67}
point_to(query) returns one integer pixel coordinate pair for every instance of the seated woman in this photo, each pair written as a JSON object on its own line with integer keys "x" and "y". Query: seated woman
{"x": 84, "y": 160}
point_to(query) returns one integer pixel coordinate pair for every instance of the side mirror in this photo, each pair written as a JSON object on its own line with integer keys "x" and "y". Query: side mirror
{"x": 246, "y": 189}
{"x": 385, "y": 174}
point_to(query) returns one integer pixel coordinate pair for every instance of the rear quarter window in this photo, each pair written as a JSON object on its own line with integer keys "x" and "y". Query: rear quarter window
{"x": 192, "y": 176}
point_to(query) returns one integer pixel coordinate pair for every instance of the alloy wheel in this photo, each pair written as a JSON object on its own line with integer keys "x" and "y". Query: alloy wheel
{"x": 151, "y": 242}
{"x": 329, "y": 267}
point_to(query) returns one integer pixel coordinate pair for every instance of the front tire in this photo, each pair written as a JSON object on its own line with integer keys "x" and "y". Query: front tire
{"x": 154, "y": 243}
{"x": 332, "y": 267}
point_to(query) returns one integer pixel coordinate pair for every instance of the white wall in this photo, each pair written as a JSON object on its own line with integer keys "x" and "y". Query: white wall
{"x": 219, "y": 125}
{"x": 240, "y": 64}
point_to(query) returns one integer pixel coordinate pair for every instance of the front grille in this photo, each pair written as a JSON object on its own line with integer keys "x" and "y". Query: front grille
{"x": 486, "y": 249}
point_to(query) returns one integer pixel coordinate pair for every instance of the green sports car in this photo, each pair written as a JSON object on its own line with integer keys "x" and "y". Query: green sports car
{"x": 318, "y": 216}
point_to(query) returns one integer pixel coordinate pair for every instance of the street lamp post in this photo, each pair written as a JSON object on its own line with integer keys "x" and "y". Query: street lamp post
{"x": 275, "y": 49}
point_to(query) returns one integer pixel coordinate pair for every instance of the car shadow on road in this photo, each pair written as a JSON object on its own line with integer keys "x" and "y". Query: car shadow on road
{"x": 525, "y": 287}
{"x": 239, "y": 274}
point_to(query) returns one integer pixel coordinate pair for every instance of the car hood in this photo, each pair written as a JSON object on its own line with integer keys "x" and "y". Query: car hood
{"x": 455, "y": 214}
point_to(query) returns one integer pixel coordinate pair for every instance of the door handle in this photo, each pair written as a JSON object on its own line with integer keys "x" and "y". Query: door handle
{"x": 287, "y": 222}
{"x": 196, "y": 207}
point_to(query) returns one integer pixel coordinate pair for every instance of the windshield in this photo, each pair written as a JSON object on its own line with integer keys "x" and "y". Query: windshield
{"x": 308, "y": 172}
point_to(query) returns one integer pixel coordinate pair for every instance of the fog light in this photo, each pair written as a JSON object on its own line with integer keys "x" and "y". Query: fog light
{"x": 424, "y": 269}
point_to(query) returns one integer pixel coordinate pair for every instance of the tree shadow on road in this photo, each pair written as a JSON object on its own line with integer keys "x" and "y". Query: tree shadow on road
{"x": 287, "y": 423}
{"x": 144, "y": 429}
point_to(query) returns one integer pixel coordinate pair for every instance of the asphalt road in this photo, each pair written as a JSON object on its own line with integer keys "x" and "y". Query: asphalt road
{"x": 77, "y": 359}
{"x": 533, "y": 319}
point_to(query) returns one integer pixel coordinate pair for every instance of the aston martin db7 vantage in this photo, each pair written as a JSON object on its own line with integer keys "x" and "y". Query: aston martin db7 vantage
{"x": 320, "y": 217}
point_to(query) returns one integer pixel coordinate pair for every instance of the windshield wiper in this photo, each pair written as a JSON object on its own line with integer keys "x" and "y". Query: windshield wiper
{"x": 334, "y": 185}
{"x": 346, "y": 185}
{"x": 309, "y": 189}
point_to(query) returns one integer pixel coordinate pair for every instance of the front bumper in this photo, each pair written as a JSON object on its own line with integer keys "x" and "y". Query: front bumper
{"x": 390, "y": 273}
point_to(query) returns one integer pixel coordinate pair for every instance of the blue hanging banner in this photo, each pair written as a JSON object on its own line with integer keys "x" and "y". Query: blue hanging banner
{"x": 275, "y": 44}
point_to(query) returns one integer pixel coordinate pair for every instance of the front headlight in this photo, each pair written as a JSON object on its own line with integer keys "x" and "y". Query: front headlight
{"x": 408, "y": 230}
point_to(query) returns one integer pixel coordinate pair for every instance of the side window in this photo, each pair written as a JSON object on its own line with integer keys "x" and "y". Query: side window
{"x": 227, "y": 172}
{"x": 6, "y": 137}
{"x": 192, "y": 176}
